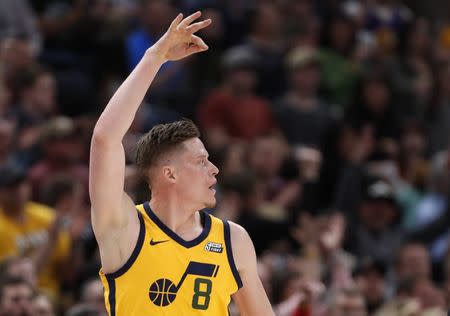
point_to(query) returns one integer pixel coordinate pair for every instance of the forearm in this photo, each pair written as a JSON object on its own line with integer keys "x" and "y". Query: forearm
{"x": 121, "y": 109}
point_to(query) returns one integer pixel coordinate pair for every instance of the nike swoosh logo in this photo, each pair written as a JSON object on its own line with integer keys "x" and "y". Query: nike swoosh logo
{"x": 152, "y": 243}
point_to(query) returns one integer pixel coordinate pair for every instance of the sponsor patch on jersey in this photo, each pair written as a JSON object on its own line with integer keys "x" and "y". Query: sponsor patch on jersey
{"x": 214, "y": 247}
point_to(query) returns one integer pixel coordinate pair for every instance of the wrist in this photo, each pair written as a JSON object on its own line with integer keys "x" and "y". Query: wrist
{"x": 153, "y": 54}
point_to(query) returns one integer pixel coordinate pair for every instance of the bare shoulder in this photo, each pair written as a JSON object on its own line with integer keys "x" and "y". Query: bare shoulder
{"x": 242, "y": 245}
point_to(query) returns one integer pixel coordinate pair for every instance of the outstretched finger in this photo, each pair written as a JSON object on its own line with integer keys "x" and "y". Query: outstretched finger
{"x": 190, "y": 19}
{"x": 176, "y": 21}
{"x": 198, "y": 26}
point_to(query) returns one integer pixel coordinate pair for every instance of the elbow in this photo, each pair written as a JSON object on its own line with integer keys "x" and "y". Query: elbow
{"x": 99, "y": 136}
{"x": 103, "y": 136}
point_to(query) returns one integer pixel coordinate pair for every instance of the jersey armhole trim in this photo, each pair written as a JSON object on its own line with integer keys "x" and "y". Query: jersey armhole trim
{"x": 237, "y": 277}
{"x": 134, "y": 254}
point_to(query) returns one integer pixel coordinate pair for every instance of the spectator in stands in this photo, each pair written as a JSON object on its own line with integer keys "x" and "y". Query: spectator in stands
{"x": 375, "y": 107}
{"x": 370, "y": 278}
{"x": 378, "y": 233}
{"x": 347, "y": 302}
{"x": 42, "y": 306}
{"x": 171, "y": 85}
{"x": 15, "y": 55}
{"x": 266, "y": 42}
{"x": 233, "y": 112}
{"x": 24, "y": 267}
{"x": 62, "y": 152}
{"x": 15, "y": 297}
{"x": 36, "y": 92}
{"x": 413, "y": 260}
{"x": 339, "y": 73}
{"x": 92, "y": 294}
{"x": 18, "y": 17}
{"x": 32, "y": 230}
{"x": 302, "y": 116}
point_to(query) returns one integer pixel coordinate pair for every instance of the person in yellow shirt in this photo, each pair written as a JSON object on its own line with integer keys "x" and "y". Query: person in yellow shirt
{"x": 31, "y": 230}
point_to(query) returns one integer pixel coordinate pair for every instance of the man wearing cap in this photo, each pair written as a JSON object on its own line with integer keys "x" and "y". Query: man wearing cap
{"x": 30, "y": 229}
{"x": 377, "y": 233}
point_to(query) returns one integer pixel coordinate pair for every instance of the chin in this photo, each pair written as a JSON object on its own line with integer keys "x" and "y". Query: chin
{"x": 211, "y": 203}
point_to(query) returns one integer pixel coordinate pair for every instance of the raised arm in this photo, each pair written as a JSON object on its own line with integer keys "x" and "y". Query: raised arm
{"x": 251, "y": 298}
{"x": 112, "y": 210}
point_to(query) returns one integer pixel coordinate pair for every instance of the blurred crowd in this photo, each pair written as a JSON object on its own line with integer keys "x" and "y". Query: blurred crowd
{"x": 329, "y": 121}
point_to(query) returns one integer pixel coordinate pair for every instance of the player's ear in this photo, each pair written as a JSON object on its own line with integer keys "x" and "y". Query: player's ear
{"x": 169, "y": 173}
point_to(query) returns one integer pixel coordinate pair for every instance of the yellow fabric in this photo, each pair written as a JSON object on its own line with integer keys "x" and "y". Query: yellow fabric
{"x": 24, "y": 238}
{"x": 137, "y": 291}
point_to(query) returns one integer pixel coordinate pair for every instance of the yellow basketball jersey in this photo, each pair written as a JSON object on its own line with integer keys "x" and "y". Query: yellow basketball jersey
{"x": 167, "y": 275}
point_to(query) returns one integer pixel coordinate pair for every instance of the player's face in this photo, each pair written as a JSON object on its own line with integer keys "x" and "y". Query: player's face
{"x": 196, "y": 175}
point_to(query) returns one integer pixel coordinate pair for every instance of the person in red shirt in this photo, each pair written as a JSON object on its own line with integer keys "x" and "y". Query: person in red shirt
{"x": 234, "y": 110}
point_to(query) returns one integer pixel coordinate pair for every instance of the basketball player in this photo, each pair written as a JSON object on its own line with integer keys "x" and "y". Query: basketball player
{"x": 166, "y": 257}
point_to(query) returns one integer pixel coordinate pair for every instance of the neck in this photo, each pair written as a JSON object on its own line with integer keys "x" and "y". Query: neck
{"x": 172, "y": 213}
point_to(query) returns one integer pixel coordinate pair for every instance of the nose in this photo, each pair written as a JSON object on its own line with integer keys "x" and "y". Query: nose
{"x": 214, "y": 169}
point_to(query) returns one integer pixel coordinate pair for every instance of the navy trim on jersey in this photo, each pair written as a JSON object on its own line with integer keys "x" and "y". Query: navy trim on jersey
{"x": 173, "y": 235}
{"x": 134, "y": 255}
{"x": 112, "y": 296}
{"x": 235, "y": 272}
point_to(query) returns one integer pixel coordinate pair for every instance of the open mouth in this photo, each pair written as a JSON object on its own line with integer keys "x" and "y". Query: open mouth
{"x": 213, "y": 188}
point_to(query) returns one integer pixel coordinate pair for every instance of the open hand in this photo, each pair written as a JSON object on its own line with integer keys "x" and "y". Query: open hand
{"x": 179, "y": 41}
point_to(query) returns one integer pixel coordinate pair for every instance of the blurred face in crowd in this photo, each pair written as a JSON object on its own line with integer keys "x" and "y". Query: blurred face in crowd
{"x": 242, "y": 80}
{"x": 413, "y": 143}
{"x": 42, "y": 94}
{"x": 15, "y": 53}
{"x": 15, "y": 300}
{"x": 377, "y": 215}
{"x": 376, "y": 96}
{"x": 13, "y": 198}
{"x": 24, "y": 268}
{"x": 306, "y": 79}
{"x": 413, "y": 261}
{"x": 349, "y": 303}
{"x": 265, "y": 156}
{"x": 42, "y": 306}
{"x": 268, "y": 21}
{"x": 373, "y": 287}
{"x": 341, "y": 35}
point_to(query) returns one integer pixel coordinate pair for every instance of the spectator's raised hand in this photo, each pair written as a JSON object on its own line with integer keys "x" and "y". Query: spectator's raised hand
{"x": 331, "y": 237}
{"x": 179, "y": 41}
